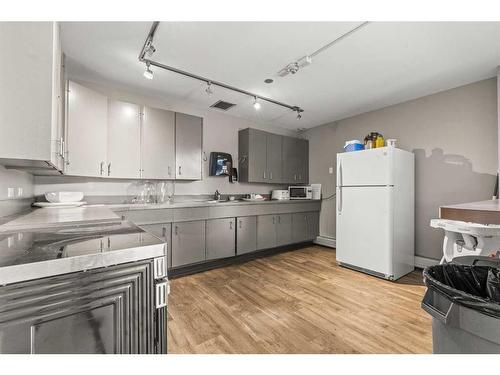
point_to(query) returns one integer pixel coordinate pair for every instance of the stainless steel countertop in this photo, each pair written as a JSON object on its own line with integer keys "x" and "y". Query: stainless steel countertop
{"x": 37, "y": 253}
{"x": 197, "y": 203}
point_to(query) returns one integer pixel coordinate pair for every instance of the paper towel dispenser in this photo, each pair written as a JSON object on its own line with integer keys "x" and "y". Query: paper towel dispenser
{"x": 221, "y": 164}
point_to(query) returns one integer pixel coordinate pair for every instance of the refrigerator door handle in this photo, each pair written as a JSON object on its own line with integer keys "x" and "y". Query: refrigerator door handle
{"x": 339, "y": 184}
{"x": 339, "y": 204}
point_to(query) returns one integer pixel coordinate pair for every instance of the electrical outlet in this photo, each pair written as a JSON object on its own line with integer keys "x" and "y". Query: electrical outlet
{"x": 11, "y": 192}
{"x": 330, "y": 170}
{"x": 19, "y": 191}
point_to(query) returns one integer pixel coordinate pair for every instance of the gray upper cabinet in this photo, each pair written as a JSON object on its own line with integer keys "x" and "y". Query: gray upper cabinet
{"x": 220, "y": 238}
{"x": 270, "y": 158}
{"x": 124, "y": 140}
{"x": 246, "y": 234}
{"x": 252, "y": 150}
{"x": 158, "y": 144}
{"x": 86, "y": 131}
{"x": 295, "y": 160}
{"x": 266, "y": 232}
{"x": 284, "y": 229}
{"x": 188, "y": 242}
{"x": 31, "y": 95}
{"x": 188, "y": 146}
{"x": 303, "y": 161}
{"x": 274, "y": 156}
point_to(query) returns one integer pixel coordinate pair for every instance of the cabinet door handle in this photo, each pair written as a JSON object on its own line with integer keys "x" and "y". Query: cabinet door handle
{"x": 264, "y": 175}
{"x": 102, "y": 168}
{"x": 231, "y": 225}
{"x": 176, "y": 230}
{"x": 169, "y": 171}
{"x": 180, "y": 170}
{"x": 240, "y": 223}
{"x": 295, "y": 177}
{"x": 300, "y": 177}
{"x": 270, "y": 175}
{"x": 164, "y": 232}
{"x": 274, "y": 219}
{"x": 109, "y": 169}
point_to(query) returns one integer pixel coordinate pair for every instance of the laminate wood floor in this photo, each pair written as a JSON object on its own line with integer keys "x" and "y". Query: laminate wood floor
{"x": 296, "y": 302}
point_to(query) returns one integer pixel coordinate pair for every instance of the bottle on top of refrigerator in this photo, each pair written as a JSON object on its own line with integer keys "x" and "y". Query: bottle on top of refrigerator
{"x": 379, "y": 142}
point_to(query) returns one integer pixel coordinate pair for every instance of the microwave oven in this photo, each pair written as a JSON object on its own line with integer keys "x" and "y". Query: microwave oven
{"x": 300, "y": 192}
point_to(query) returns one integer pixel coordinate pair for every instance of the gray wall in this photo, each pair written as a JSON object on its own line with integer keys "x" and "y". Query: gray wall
{"x": 453, "y": 135}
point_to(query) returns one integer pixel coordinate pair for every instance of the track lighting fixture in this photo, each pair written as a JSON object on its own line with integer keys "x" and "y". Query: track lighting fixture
{"x": 148, "y": 73}
{"x": 256, "y": 104}
{"x": 148, "y": 50}
{"x": 209, "y": 90}
{"x": 299, "y": 115}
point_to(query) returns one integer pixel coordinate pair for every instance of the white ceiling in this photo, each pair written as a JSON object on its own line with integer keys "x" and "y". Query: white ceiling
{"x": 383, "y": 63}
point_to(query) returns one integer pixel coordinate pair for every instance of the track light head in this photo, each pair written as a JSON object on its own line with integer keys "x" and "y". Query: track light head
{"x": 299, "y": 115}
{"x": 148, "y": 73}
{"x": 150, "y": 49}
{"x": 209, "y": 90}
{"x": 256, "y": 104}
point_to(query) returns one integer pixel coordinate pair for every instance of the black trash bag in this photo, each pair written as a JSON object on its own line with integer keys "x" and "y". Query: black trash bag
{"x": 476, "y": 287}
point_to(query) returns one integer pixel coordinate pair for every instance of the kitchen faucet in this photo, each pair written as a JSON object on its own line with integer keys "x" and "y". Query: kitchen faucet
{"x": 217, "y": 195}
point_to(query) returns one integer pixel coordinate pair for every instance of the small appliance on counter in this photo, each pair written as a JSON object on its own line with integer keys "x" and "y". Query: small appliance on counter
{"x": 300, "y": 192}
{"x": 316, "y": 191}
{"x": 280, "y": 195}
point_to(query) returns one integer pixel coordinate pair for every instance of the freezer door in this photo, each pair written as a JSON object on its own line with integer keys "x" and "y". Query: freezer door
{"x": 364, "y": 168}
{"x": 365, "y": 228}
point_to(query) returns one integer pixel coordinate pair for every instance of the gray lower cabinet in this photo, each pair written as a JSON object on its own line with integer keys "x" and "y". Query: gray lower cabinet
{"x": 221, "y": 238}
{"x": 266, "y": 232}
{"x": 312, "y": 225}
{"x": 284, "y": 229}
{"x": 246, "y": 234}
{"x": 305, "y": 226}
{"x": 163, "y": 231}
{"x": 188, "y": 242}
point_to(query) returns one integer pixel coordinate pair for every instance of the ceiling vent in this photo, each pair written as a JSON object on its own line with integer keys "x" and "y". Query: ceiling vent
{"x": 221, "y": 104}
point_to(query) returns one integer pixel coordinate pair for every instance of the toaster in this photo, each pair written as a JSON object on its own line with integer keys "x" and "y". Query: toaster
{"x": 280, "y": 194}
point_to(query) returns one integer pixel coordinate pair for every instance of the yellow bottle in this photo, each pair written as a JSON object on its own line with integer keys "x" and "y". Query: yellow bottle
{"x": 379, "y": 142}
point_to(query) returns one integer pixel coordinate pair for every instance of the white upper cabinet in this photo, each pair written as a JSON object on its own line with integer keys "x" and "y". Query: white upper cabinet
{"x": 158, "y": 144}
{"x": 188, "y": 146}
{"x": 116, "y": 139}
{"x": 30, "y": 95}
{"x": 86, "y": 132}
{"x": 124, "y": 140}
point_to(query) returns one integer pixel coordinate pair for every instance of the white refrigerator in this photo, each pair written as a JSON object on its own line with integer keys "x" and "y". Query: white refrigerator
{"x": 375, "y": 211}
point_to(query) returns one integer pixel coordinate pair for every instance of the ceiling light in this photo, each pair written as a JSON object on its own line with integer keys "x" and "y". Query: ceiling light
{"x": 148, "y": 73}
{"x": 256, "y": 104}
{"x": 209, "y": 90}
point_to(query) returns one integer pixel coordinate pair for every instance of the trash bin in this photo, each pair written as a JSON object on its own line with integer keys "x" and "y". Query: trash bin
{"x": 463, "y": 299}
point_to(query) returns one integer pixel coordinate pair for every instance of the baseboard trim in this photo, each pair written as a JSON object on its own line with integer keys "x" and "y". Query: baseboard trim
{"x": 325, "y": 241}
{"x": 422, "y": 262}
